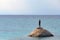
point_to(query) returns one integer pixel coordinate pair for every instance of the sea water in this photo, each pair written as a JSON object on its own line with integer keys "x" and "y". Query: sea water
{"x": 18, "y": 27}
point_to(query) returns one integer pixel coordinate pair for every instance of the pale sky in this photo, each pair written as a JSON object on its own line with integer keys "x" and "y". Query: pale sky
{"x": 29, "y": 7}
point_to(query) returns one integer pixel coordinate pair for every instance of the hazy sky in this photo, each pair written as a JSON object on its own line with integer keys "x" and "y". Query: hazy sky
{"x": 32, "y": 7}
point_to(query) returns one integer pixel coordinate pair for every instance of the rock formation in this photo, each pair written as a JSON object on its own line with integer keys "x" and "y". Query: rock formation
{"x": 40, "y": 32}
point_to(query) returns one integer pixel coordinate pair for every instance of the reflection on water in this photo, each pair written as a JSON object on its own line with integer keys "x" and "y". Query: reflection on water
{"x": 37, "y": 38}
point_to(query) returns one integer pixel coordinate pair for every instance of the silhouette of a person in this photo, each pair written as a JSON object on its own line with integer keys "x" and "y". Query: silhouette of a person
{"x": 39, "y": 25}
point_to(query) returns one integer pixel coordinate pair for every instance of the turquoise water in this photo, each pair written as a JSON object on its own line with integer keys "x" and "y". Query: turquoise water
{"x": 15, "y": 27}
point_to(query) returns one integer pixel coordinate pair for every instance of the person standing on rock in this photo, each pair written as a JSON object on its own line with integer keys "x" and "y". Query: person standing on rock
{"x": 39, "y": 25}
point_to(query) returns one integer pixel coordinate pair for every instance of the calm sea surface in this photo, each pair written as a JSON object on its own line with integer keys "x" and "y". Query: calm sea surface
{"x": 15, "y": 27}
